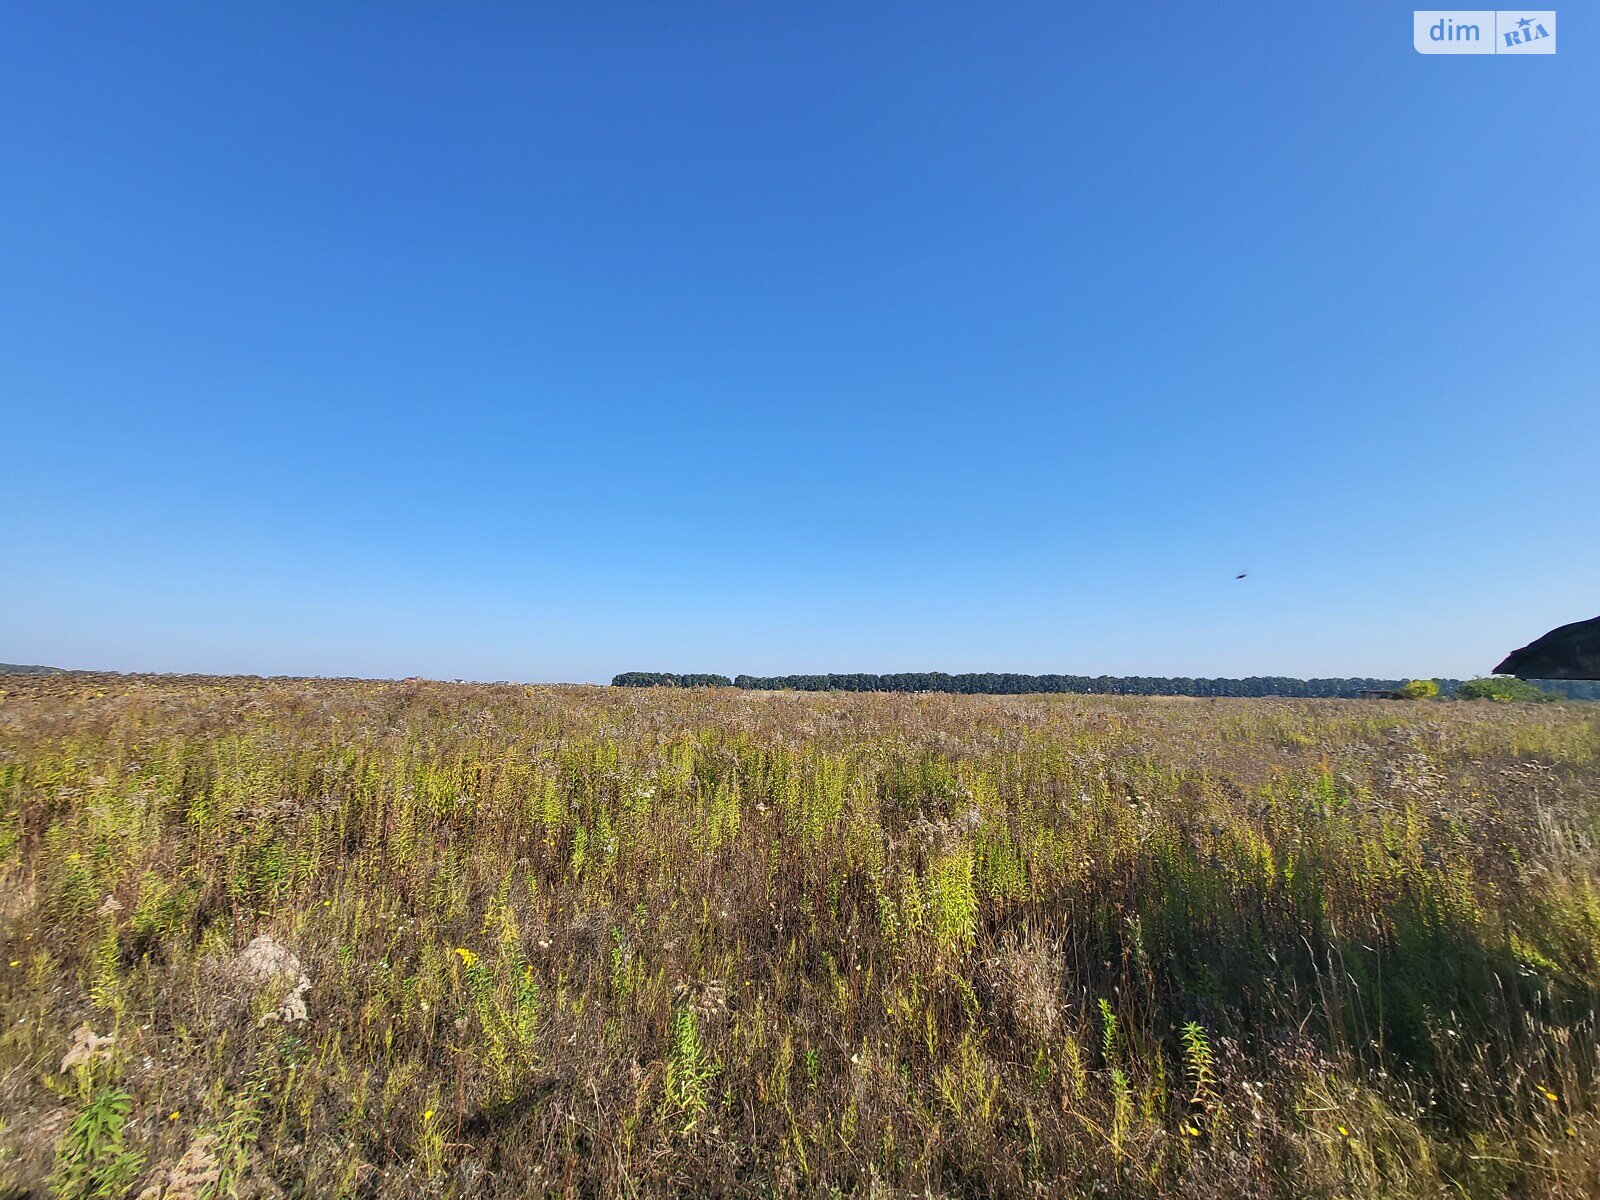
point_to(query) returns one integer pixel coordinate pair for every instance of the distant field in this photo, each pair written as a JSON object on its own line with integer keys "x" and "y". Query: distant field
{"x": 422, "y": 939}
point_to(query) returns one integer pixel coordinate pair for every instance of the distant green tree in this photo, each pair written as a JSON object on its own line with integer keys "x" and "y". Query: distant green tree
{"x": 668, "y": 679}
{"x": 1421, "y": 689}
{"x": 1570, "y": 689}
{"x": 1505, "y": 689}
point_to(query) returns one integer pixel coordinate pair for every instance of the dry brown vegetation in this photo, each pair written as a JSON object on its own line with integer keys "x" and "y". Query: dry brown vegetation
{"x": 368, "y": 939}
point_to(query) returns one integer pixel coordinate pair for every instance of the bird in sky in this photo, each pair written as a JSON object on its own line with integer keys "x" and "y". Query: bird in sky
{"x": 1241, "y": 574}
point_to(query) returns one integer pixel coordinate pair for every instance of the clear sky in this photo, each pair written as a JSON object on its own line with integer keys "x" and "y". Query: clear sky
{"x": 543, "y": 341}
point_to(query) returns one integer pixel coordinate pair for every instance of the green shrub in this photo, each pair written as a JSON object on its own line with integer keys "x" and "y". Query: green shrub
{"x": 91, "y": 1159}
{"x": 1504, "y": 689}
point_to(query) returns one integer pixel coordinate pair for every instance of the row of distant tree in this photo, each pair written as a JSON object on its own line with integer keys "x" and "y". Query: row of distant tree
{"x": 1115, "y": 685}
{"x": 669, "y": 679}
{"x": 1111, "y": 685}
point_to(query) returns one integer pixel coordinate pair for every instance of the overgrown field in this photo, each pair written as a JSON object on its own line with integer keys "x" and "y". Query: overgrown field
{"x": 417, "y": 939}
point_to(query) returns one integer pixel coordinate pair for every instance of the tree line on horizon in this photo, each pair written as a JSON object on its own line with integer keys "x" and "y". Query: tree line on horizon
{"x": 1006, "y": 684}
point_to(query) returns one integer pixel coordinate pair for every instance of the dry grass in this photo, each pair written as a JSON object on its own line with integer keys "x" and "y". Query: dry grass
{"x": 582, "y": 941}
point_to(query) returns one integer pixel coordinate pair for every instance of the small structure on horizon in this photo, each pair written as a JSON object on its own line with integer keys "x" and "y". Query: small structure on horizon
{"x": 1570, "y": 652}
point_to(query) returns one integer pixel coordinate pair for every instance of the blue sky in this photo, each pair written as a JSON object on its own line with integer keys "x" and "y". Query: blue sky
{"x": 546, "y": 341}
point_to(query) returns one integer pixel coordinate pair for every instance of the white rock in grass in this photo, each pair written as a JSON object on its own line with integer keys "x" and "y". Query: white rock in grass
{"x": 267, "y": 963}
